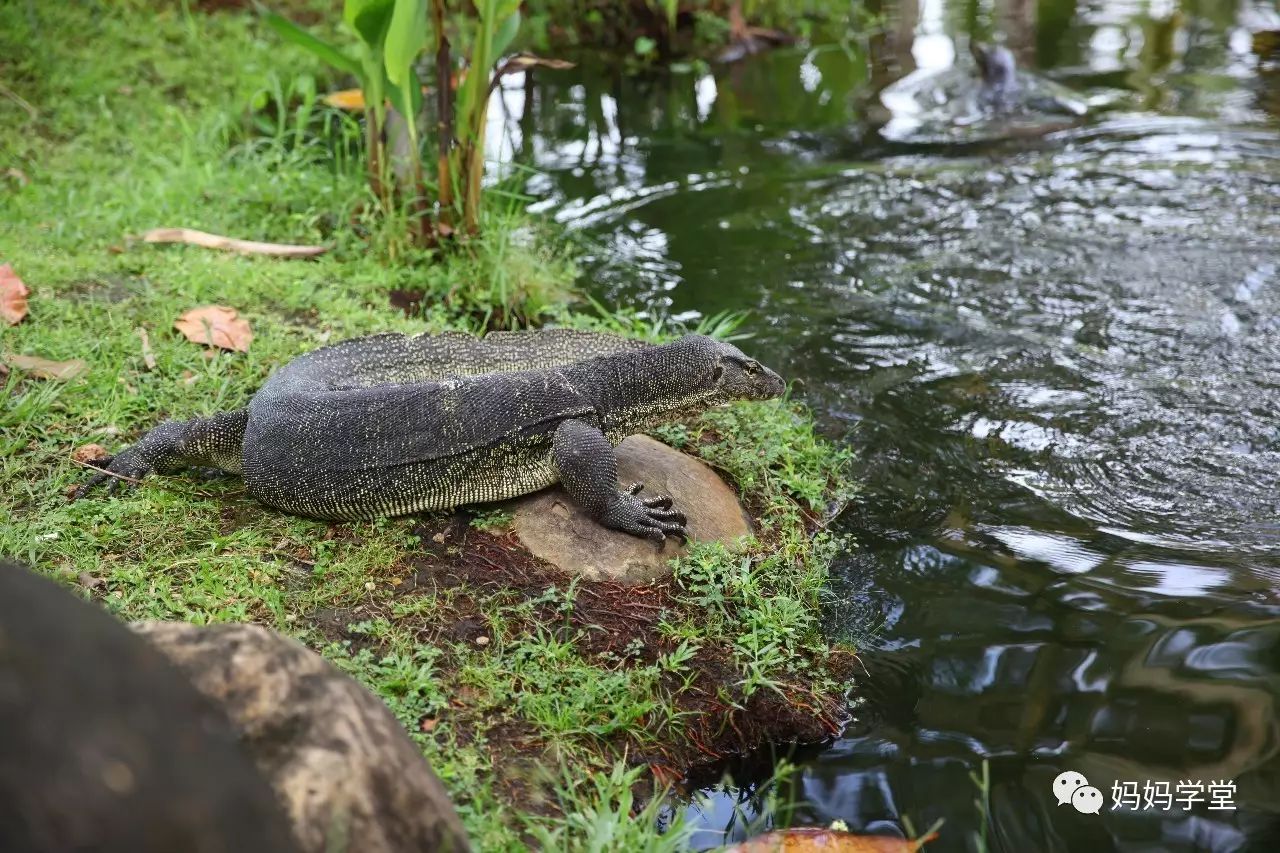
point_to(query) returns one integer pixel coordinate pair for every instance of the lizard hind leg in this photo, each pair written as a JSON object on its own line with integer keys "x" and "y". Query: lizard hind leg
{"x": 212, "y": 442}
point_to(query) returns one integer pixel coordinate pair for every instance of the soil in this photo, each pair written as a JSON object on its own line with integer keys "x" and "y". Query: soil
{"x": 483, "y": 567}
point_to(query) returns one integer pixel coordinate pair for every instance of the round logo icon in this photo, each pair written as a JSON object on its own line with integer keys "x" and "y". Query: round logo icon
{"x": 1087, "y": 799}
{"x": 1066, "y": 784}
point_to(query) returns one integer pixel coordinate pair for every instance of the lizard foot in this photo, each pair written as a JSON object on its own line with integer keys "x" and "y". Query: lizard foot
{"x": 127, "y": 463}
{"x": 652, "y": 518}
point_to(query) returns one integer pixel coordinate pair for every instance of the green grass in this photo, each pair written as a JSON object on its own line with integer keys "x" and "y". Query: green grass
{"x": 702, "y": 26}
{"x": 537, "y": 722}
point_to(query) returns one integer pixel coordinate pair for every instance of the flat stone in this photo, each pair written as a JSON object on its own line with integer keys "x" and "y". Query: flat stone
{"x": 345, "y": 771}
{"x": 554, "y": 529}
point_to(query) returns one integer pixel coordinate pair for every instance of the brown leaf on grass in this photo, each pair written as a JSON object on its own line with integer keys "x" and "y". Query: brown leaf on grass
{"x": 216, "y": 325}
{"x": 428, "y": 724}
{"x": 148, "y": 357}
{"x": 815, "y": 839}
{"x": 13, "y": 296}
{"x": 43, "y": 368}
{"x": 89, "y": 453}
{"x": 216, "y": 241}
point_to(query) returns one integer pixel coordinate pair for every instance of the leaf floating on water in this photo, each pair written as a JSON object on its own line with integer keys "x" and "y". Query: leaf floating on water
{"x": 43, "y": 368}
{"x": 217, "y": 326}
{"x": 820, "y": 840}
{"x": 193, "y": 237}
{"x": 13, "y": 296}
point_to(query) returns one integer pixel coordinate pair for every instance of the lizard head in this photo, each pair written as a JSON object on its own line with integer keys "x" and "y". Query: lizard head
{"x": 737, "y": 376}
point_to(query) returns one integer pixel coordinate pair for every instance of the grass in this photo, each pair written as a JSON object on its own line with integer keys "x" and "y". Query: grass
{"x": 702, "y": 27}
{"x": 546, "y": 706}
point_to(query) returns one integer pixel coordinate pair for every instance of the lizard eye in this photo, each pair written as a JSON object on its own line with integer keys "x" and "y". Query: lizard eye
{"x": 752, "y": 366}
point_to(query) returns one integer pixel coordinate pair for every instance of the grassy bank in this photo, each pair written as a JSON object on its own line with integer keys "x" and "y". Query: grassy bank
{"x": 540, "y": 702}
{"x": 654, "y": 29}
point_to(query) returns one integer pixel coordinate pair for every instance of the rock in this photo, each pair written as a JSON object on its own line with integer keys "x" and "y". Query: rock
{"x": 346, "y": 772}
{"x": 554, "y": 529}
{"x": 106, "y": 746}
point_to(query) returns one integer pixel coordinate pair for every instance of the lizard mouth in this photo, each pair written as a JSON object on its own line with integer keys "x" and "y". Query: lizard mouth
{"x": 768, "y": 386}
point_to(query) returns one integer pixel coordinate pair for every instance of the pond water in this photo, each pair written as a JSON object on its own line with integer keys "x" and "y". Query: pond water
{"x": 1055, "y": 342}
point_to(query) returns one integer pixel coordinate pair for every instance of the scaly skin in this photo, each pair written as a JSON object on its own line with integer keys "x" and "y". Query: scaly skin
{"x": 392, "y": 425}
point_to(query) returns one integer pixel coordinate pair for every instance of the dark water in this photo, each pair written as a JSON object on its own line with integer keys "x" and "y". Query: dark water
{"x": 1056, "y": 344}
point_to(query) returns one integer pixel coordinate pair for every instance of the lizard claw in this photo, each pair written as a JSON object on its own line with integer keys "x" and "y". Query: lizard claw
{"x": 652, "y": 518}
{"x": 125, "y": 464}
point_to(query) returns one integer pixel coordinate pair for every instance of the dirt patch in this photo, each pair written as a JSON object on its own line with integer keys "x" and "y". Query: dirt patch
{"x": 110, "y": 290}
{"x": 469, "y": 571}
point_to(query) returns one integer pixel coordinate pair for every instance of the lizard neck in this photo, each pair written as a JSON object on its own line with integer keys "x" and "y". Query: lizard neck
{"x": 634, "y": 390}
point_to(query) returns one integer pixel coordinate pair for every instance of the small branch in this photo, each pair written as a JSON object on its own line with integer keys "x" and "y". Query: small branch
{"x": 19, "y": 100}
{"x": 98, "y": 470}
{"x": 216, "y": 241}
{"x": 157, "y": 483}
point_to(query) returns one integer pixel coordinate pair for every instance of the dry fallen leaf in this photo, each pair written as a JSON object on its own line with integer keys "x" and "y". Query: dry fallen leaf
{"x": 525, "y": 61}
{"x": 43, "y": 368}
{"x": 819, "y": 840}
{"x": 428, "y": 724}
{"x": 216, "y": 325}
{"x": 89, "y": 453}
{"x": 13, "y": 296}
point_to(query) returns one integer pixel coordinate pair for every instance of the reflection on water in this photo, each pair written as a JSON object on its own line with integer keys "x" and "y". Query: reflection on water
{"x": 1056, "y": 346}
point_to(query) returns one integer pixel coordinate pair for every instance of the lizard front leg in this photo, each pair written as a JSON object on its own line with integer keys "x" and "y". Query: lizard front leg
{"x": 213, "y": 442}
{"x": 588, "y": 470}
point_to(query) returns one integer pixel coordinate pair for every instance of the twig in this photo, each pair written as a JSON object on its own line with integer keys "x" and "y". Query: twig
{"x": 216, "y": 241}
{"x": 133, "y": 480}
{"x": 158, "y": 483}
{"x": 19, "y": 100}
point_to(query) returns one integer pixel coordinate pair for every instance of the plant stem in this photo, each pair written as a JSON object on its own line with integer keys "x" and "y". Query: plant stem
{"x": 444, "y": 118}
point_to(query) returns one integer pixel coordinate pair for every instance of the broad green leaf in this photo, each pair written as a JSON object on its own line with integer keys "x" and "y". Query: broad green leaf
{"x": 290, "y": 31}
{"x": 506, "y": 33}
{"x": 406, "y": 37}
{"x": 414, "y": 90}
{"x": 369, "y": 18}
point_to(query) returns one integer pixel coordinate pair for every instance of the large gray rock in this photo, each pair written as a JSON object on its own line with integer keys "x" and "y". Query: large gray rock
{"x": 554, "y": 529}
{"x": 106, "y": 746}
{"x": 347, "y": 774}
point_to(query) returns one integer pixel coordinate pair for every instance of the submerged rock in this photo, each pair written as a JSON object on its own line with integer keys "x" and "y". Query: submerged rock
{"x": 106, "y": 746}
{"x": 552, "y": 526}
{"x": 343, "y": 767}
{"x": 988, "y": 97}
